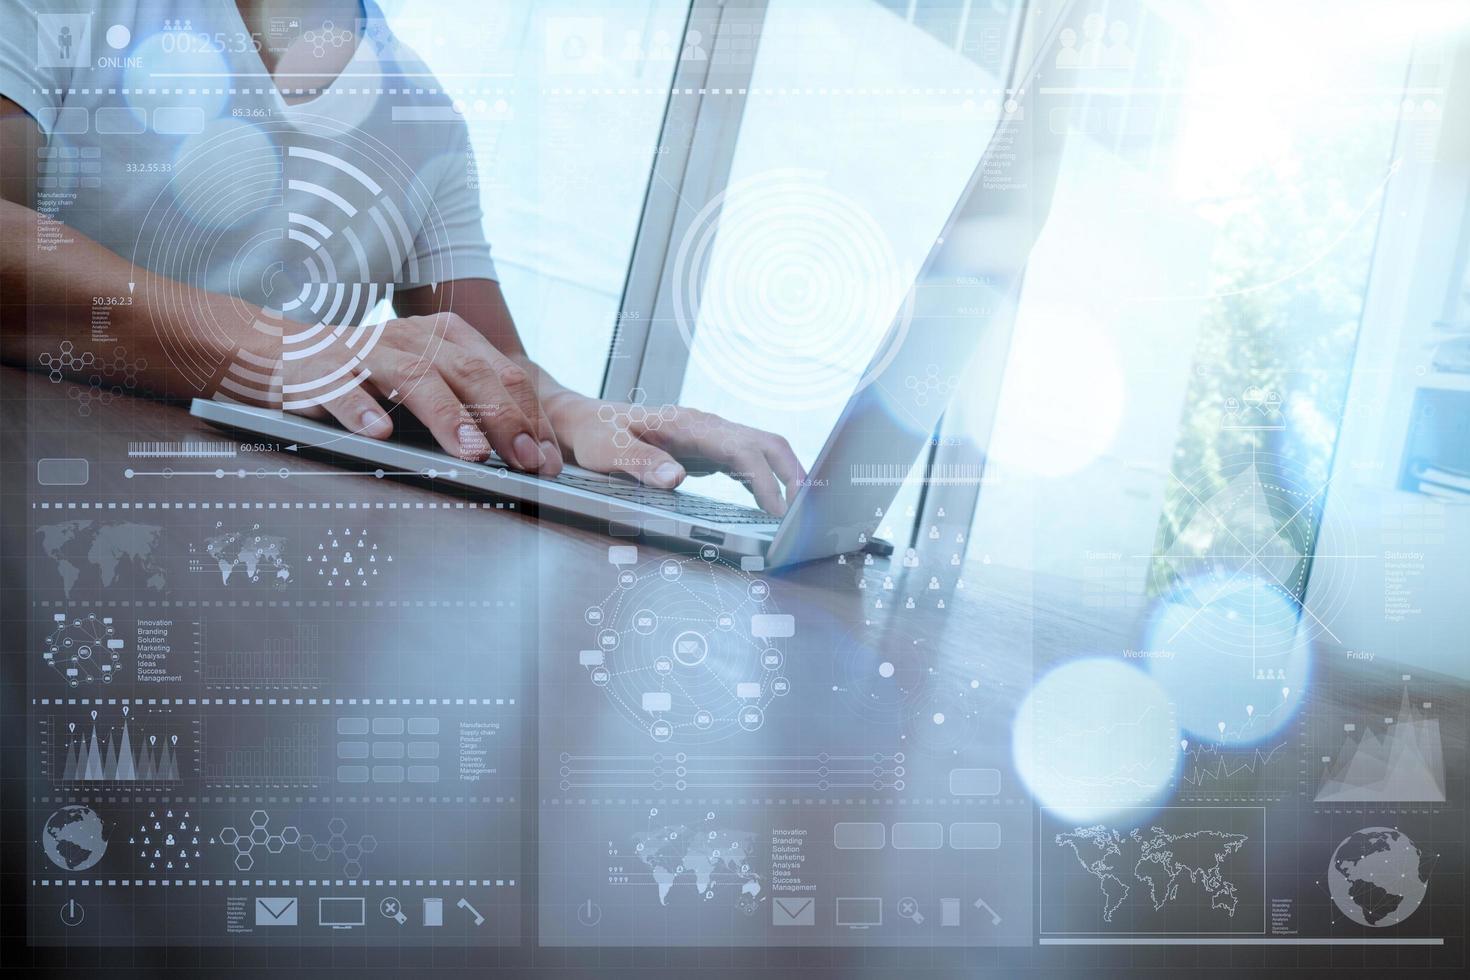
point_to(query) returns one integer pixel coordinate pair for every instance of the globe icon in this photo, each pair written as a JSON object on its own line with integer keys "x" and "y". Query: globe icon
{"x": 1378, "y": 877}
{"x": 74, "y": 838}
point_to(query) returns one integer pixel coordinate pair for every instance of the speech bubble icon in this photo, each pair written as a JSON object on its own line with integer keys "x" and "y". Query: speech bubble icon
{"x": 748, "y": 690}
{"x": 590, "y": 658}
{"x": 622, "y": 554}
{"x": 657, "y": 701}
{"x": 773, "y": 625}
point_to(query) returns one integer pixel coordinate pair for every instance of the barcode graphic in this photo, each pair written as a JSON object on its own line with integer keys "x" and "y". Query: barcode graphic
{"x": 893, "y": 474}
{"x": 154, "y": 450}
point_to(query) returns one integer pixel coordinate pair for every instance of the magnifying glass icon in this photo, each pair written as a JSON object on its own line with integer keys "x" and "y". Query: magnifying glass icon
{"x": 908, "y": 908}
{"x": 391, "y": 909}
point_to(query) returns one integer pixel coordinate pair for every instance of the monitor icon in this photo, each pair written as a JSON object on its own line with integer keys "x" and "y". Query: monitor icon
{"x": 859, "y": 913}
{"x": 340, "y": 913}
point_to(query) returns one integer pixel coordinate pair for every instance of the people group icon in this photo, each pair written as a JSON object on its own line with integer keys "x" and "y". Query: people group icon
{"x": 1103, "y": 45}
{"x": 661, "y": 47}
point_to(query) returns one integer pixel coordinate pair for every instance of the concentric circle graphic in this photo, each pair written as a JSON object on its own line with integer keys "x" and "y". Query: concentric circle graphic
{"x": 314, "y": 222}
{"x": 791, "y": 287}
{"x": 689, "y": 649}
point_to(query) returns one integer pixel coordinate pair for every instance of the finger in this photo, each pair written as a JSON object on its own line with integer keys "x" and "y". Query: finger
{"x": 516, "y": 381}
{"x": 783, "y": 460}
{"x": 359, "y": 412}
{"x": 649, "y": 465}
{"x": 475, "y": 378}
{"x": 428, "y": 396}
{"x": 749, "y": 466}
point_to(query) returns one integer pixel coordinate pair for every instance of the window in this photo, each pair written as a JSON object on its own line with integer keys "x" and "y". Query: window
{"x": 564, "y": 101}
{"x": 859, "y": 131}
{"x": 1191, "y": 308}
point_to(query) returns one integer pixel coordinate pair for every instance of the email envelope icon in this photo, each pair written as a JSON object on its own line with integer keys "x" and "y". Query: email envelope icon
{"x": 275, "y": 911}
{"x": 658, "y": 701}
{"x": 686, "y": 646}
{"x": 793, "y": 911}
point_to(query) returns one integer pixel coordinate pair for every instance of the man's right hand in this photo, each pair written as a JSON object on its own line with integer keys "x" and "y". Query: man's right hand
{"x": 469, "y": 395}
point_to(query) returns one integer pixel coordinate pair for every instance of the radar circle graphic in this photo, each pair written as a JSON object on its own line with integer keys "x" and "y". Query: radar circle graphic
{"x": 287, "y": 215}
{"x": 1253, "y": 527}
{"x": 791, "y": 288}
{"x": 689, "y": 649}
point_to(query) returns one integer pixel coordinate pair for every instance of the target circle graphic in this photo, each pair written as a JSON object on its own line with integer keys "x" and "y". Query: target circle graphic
{"x": 791, "y": 287}
{"x": 684, "y": 652}
{"x": 312, "y": 221}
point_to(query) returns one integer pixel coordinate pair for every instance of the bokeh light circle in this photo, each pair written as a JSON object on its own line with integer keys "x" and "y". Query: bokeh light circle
{"x": 1095, "y": 737}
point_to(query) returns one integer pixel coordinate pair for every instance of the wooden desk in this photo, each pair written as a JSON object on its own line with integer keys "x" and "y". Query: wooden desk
{"x": 488, "y": 601}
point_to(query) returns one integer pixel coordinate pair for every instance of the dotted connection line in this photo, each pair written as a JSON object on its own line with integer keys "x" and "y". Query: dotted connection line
{"x": 271, "y": 505}
{"x": 839, "y": 801}
{"x": 653, "y": 91}
{"x": 276, "y": 882}
{"x": 278, "y": 604}
{"x": 277, "y": 702}
{"x": 234, "y": 800}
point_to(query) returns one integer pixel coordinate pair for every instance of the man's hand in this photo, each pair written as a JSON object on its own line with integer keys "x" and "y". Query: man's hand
{"x": 473, "y": 397}
{"x": 659, "y": 446}
{"x": 469, "y": 395}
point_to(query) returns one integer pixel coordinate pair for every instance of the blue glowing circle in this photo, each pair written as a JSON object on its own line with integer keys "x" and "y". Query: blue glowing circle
{"x": 1234, "y": 658}
{"x": 1095, "y": 737}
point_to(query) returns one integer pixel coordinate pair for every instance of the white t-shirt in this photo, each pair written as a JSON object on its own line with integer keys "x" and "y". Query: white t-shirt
{"x": 168, "y": 142}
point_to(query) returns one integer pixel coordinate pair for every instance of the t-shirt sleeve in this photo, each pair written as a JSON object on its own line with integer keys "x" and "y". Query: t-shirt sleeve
{"x": 30, "y": 73}
{"x": 451, "y": 243}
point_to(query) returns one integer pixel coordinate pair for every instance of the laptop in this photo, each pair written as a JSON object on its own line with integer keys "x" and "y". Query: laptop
{"x": 958, "y": 310}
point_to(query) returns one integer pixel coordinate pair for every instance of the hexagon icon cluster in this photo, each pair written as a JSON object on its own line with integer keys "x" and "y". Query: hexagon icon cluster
{"x": 624, "y": 418}
{"x": 109, "y": 378}
{"x": 336, "y": 845}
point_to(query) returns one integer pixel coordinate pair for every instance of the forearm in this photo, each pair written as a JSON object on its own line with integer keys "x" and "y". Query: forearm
{"x": 53, "y": 279}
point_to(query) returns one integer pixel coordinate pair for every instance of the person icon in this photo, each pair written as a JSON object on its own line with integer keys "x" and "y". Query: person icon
{"x": 1067, "y": 57}
{"x": 933, "y": 582}
{"x": 908, "y": 603}
{"x": 63, "y": 42}
{"x": 1091, "y": 52}
{"x": 693, "y": 47}
{"x": 911, "y": 558}
{"x": 661, "y": 49}
{"x": 632, "y": 46}
{"x": 1118, "y": 54}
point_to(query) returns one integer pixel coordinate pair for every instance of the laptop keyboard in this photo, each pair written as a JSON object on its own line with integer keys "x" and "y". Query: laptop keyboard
{"x": 677, "y": 501}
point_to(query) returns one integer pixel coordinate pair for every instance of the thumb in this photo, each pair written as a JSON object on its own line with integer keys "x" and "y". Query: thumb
{"x": 649, "y": 465}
